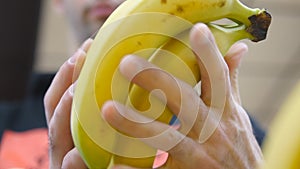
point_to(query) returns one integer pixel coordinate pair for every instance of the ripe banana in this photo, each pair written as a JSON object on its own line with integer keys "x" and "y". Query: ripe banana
{"x": 281, "y": 148}
{"x": 165, "y": 43}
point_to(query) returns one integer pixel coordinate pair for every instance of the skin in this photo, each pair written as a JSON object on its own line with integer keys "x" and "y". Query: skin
{"x": 82, "y": 16}
{"x": 231, "y": 145}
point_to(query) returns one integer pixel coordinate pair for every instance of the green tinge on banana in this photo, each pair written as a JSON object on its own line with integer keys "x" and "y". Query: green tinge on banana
{"x": 157, "y": 31}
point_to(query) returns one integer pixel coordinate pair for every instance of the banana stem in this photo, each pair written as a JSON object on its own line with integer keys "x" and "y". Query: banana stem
{"x": 257, "y": 21}
{"x": 242, "y": 12}
{"x": 227, "y": 36}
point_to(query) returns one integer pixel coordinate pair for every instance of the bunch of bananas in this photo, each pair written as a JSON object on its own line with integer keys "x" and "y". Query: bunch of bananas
{"x": 156, "y": 30}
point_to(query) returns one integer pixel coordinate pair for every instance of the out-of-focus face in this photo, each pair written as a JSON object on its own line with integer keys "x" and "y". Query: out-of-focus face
{"x": 87, "y": 16}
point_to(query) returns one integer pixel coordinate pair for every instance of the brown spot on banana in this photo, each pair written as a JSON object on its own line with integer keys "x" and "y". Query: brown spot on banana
{"x": 163, "y": 1}
{"x": 179, "y": 9}
{"x": 221, "y": 4}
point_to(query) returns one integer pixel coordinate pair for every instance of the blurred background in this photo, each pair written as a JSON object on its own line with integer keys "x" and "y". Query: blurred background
{"x": 267, "y": 73}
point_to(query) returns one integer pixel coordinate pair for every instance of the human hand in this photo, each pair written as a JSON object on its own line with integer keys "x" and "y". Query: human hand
{"x": 57, "y": 103}
{"x": 227, "y": 140}
{"x": 234, "y": 129}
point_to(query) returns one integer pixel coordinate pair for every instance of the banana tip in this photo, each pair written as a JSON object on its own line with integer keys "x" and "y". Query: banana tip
{"x": 259, "y": 25}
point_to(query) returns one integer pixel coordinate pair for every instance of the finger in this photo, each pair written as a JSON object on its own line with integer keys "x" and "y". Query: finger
{"x": 234, "y": 55}
{"x": 73, "y": 160}
{"x": 214, "y": 70}
{"x": 215, "y": 83}
{"x": 60, "y": 139}
{"x": 62, "y": 80}
{"x": 180, "y": 97}
{"x": 233, "y": 59}
{"x": 156, "y": 134}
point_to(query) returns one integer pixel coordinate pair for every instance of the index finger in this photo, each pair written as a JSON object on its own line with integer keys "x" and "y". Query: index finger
{"x": 215, "y": 83}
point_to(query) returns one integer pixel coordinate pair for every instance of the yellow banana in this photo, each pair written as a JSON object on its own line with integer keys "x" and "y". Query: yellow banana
{"x": 282, "y": 145}
{"x": 151, "y": 29}
{"x": 170, "y": 56}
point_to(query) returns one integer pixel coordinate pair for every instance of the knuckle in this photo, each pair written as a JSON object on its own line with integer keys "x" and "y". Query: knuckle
{"x": 51, "y": 138}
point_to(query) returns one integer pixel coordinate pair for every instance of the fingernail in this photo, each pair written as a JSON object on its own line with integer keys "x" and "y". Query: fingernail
{"x": 130, "y": 66}
{"x": 107, "y": 112}
{"x": 72, "y": 60}
{"x": 205, "y": 33}
{"x": 105, "y": 107}
{"x": 71, "y": 90}
{"x": 86, "y": 44}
